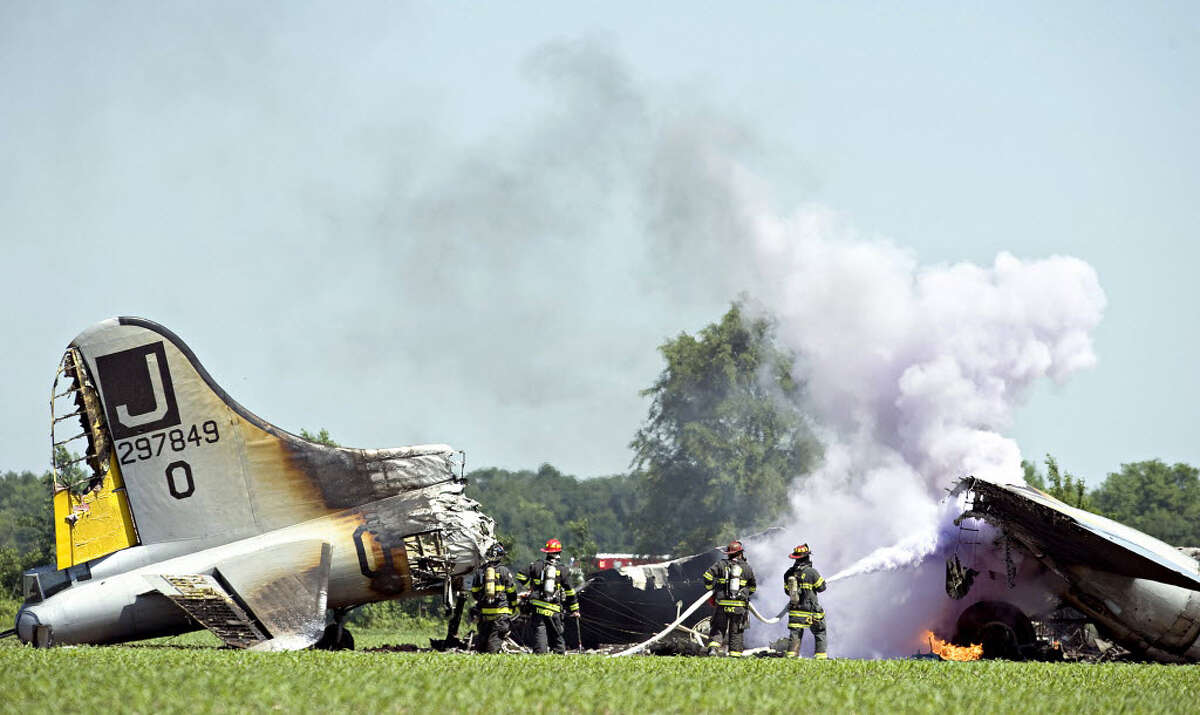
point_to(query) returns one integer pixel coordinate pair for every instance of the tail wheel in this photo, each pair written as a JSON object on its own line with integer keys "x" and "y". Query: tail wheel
{"x": 331, "y": 639}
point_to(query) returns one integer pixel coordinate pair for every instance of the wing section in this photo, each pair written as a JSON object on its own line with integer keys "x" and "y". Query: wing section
{"x": 271, "y": 599}
{"x": 1071, "y": 536}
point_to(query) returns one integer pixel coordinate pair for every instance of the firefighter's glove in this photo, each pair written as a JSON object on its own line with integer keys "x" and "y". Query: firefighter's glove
{"x": 573, "y": 614}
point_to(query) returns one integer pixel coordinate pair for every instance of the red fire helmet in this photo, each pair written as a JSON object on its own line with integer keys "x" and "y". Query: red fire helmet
{"x": 553, "y": 546}
{"x": 800, "y": 552}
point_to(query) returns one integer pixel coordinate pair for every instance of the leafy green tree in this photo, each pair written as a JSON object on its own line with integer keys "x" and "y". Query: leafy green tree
{"x": 72, "y": 471}
{"x": 1159, "y": 499}
{"x": 723, "y": 438}
{"x": 1061, "y": 485}
{"x": 582, "y": 546}
{"x": 1064, "y": 486}
{"x": 532, "y": 506}
{"x": 10, "y": 573}
{"x": 321, "y": 437}
{"x": 1033, "y": 477}
{"x": 26, "y": 527}
{"x": 13, "y": 565}
{"x": 26, "y": 512}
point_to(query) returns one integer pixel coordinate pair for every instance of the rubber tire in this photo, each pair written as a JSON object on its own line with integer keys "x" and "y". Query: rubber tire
{"x": 1002, "y": 628}
{"x": 329, "y": 639}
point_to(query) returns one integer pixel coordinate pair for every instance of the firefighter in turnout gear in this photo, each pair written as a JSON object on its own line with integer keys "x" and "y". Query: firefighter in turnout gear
{"x": 731, "y": 581}
{"x": 495, "y": 594}
{"x": 550, "y": 592}
{"x": 802, "y": 584}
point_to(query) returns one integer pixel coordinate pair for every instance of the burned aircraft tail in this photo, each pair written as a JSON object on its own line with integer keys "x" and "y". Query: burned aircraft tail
{"x": 214, "y": 517}
{"x": 169, "y": 456}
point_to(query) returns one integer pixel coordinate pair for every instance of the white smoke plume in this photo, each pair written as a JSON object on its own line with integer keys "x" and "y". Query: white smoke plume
{"x": 913, "y": 373}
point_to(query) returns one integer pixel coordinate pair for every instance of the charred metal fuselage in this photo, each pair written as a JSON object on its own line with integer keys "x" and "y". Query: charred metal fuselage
{"x": 118, "y": 598}
{"x": 1145, "y": 593}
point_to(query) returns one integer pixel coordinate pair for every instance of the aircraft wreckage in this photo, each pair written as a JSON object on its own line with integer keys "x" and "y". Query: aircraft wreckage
{"x": 1138, "y": 591}
{"x": 189, "y": 511}
{"x": 1109, "y": 583}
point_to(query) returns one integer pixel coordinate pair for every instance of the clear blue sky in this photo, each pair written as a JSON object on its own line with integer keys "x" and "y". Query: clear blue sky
{"x": 272, "y": 181}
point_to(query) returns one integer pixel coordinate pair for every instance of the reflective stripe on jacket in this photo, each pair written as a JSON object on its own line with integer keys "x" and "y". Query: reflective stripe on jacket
{"x": 504, "y": 597}
{"x": 718, "y": 579}
{"x": 543, "y": 603}
{"x": 804, "y": 619}
{"x": 808, "y": 584}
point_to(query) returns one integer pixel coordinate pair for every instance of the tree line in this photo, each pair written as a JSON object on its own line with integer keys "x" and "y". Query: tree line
{"x": 1160, "y": 499}
{"x": 722, "y": 443}
{"x": 26, "y": 527}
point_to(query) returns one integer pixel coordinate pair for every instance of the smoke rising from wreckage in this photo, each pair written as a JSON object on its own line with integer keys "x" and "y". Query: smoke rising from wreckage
{"x": 1037, "y": 579}
{"x": 147, "y": 546}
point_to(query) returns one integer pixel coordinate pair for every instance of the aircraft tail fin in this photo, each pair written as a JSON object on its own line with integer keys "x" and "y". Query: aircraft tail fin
{"x": 172, "y": 456}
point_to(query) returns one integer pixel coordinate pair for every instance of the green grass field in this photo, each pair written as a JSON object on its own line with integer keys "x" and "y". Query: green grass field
{"x": 189, "y": 674}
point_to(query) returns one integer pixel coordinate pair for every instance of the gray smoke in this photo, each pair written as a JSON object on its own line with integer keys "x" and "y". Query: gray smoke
{"x": 912, "y": 371}
{"x": 563, "y": 249}
{"x": 291, "y": 193}
{"x": 913, "y": 374}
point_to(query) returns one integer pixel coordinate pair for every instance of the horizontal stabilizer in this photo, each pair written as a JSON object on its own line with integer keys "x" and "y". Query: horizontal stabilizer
{"x": 286, "y": 587}
{"x": 208, "y": 603}
{"x": 270, "y": 599}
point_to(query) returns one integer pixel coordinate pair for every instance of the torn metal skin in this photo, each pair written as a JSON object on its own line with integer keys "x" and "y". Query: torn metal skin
{"x": 186, "y": 486}
{"x": 1140, "y": 592}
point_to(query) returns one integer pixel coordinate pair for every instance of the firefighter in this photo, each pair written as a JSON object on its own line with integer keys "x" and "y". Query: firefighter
{"x": 495, "y": 594}
{"x": 549, "y": 591}
{"x": 802, "y": 584}
{"x": 731, "y": 581}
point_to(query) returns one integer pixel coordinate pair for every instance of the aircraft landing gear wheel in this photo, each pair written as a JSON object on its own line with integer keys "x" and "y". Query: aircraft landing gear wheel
{"x": 336, "y": 636}
{"x": 332, "y": 640}
{"x": 1003, "y": 630}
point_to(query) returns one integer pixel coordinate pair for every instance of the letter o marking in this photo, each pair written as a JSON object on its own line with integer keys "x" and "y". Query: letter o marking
{"x": 173, "y": 470}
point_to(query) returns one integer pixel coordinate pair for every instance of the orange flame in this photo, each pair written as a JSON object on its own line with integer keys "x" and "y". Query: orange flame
{"x": 947, "y": 651}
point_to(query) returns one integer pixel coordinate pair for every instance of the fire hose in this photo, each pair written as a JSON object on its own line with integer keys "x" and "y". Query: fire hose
{"x": 692, "y": 609}
{"x": 683, "y": 617}
{"x": 768, "y": 621}
{"x": 658, "y": 636}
